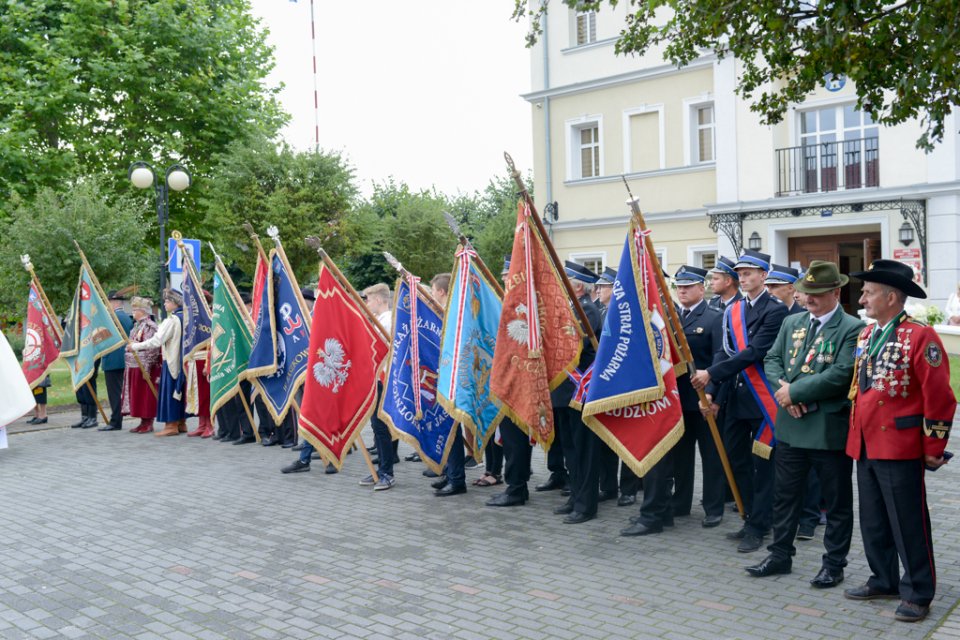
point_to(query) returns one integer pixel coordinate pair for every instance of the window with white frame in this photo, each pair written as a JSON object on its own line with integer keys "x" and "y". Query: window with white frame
{"x": 704, "y": 127}
{"x": 594, "y": 262}
{"x": 705, "y": 258}
{"x": 586, "y": 27}
{"x": 585, "y": 150}
{"x": 839, "y": 147}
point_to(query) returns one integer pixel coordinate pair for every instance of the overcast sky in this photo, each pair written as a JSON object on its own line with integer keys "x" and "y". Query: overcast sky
{"x": 426, "y": 91}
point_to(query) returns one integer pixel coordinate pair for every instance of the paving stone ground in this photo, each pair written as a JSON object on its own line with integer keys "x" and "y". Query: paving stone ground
{"x": 115, "y": 535}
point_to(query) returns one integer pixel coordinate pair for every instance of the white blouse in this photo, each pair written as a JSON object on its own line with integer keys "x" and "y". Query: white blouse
{"x": 169, "y": 338}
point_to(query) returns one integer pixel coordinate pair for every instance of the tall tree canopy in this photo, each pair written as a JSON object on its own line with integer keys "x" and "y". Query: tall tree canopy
{"x": 902, "y": 55}
{"x": 88, "y": 86}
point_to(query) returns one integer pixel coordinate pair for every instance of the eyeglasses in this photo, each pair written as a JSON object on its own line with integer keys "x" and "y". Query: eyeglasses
{"x": 363, "y": 297}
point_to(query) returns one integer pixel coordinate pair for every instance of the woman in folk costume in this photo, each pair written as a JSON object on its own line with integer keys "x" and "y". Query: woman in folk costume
{"x": 139, "y": 400}
{"x": 196, "y": 368}
{"x": 169, "y": 337}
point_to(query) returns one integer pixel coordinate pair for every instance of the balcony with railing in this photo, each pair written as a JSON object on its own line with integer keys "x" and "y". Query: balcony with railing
{"x": 828, "y": 166}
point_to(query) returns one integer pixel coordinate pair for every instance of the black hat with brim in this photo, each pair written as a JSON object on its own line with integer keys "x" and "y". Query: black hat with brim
{"x": 892, "y": 273}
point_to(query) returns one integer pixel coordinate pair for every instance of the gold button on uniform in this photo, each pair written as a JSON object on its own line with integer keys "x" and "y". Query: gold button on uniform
{"x": 880, "y": 403}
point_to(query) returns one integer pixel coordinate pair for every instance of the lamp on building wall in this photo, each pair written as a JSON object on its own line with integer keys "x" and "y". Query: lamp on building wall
{"x": 906, "y": 234}
{"x": 754, "y": 243}
{"x": 551, "y": 211}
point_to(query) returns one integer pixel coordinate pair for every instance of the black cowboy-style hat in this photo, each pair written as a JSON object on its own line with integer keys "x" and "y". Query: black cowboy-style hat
{"x": 894, "y": 274}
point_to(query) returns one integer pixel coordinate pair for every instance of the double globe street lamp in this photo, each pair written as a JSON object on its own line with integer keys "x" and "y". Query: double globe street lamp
{"x": 176, "y": 177}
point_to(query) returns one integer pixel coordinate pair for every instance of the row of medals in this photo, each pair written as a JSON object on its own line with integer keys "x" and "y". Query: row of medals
{"x": 882, "y": 370}
{"x": 817, "y": 350}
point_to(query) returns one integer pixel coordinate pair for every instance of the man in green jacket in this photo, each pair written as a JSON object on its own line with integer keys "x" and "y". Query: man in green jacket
{"x": 810, "y": 366}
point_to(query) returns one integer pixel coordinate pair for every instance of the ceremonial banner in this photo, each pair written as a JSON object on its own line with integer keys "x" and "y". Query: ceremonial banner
{"x": 196, "y": 314}
{"x": 346, "y": 352}
{"x": 409, "y": 403}
{"x": 281, "y": 339}
{"x": 259, "y": 282}
{"x": 466, "y": 352}
{"x": 231, "y": 340}
{"x": 535, "y": 351}
{"x": 91, "y": 331}
{"x": 16, "y": 399}
{"x": 41, "y": 339}
{"x": 632, "y": 402}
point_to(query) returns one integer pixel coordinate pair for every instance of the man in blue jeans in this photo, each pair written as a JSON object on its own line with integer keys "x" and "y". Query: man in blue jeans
{"x": 378, "y": 301}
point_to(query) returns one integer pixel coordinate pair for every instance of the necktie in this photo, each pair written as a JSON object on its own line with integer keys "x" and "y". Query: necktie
{"x": 684, "y": 313}
{"x": 814, "y": 325}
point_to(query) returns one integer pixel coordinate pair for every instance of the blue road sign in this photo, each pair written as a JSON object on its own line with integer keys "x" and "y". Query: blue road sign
{"x": 176, "y": 259}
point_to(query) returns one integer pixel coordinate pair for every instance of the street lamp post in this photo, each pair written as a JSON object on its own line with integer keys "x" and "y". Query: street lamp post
{"x": 143, "y": 176}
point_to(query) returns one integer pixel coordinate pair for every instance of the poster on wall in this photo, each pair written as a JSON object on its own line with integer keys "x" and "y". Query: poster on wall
{"x": 913, "y": 259}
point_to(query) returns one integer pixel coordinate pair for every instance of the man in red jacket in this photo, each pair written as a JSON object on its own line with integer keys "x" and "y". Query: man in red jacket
{"x": 903, "y": 408}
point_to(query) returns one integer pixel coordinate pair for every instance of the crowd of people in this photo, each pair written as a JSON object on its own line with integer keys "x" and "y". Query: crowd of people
{"x": 773, "y": 348}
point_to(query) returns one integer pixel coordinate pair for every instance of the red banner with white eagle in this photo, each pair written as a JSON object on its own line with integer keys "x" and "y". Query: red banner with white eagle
{"x": 340, "y": 389}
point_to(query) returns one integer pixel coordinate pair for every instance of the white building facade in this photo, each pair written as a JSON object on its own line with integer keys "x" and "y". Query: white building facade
{"x": 825, "y": 183}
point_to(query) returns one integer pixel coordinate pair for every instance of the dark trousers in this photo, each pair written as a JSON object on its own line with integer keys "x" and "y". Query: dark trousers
{"x": 246, "y": 425}
{"x": 493, "y": 458}
{"x": 555, "y": 461}
{"x": 114, "y": 381}
{"x": 656, "y": 509}
{"x": 517, "y": 454}
{"x": 455, "y": 470}
{"x": 581, "y": 451}
{"x": 628, "y": 484}
{"x": 835, "y": 471}
{"x": 753, "y": 474}
{"x": 384, "y": 441}
{"x": 265, "y": 424}
{"x": 895, "y": 523}
{"x": 86, "y": 399}
{"x": 696, "y": 434}
{"x": 810, "y": 516}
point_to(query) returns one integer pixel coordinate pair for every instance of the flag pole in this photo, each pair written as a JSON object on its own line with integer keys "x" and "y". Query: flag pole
{"x": 481, "y": 265}
{"x": 28, "y": 265}
{"x": 685, "y": 352}
{"x": 314, "y": 241}
{"x": 116, "y": 322}
{"x": 246, "y": 407}
{"x": 427, "y": 296}
{"x": 584, "y": 322}
{"x": 256, "y": 240}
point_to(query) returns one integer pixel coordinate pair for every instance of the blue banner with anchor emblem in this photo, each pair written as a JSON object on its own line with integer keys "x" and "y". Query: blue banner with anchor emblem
{"x": 281, "y": 340}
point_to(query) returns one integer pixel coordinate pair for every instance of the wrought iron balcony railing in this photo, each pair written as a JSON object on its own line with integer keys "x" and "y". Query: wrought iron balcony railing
{"x": 828, "y": 166}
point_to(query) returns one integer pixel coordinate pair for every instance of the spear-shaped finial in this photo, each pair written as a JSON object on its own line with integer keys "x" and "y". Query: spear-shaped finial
{"x": 452, "y": 223}
{"x": 314, "y": 243}
{"x": 512, "y": 167}
{"x": 393, "y": 261}
{"x": 629, "y": 193}
{"x": 249, "y": 229}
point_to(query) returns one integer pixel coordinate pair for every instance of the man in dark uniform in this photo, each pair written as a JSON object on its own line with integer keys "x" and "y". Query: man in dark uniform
{"x": 517, "y": 453}
{"x": 754, "y": 321}
{"x": 725, "y": 284}
{"x": 629, "y": 483}
{"x": 810, "y": 365}
{"x": 114, "y": 365}
{"x": 902, "y": 412}
{"x": 581, "y": 446}
{"x": 702, "y": 326}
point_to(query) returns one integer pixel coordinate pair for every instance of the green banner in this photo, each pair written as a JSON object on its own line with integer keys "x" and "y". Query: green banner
{"x": 230, "y": 342}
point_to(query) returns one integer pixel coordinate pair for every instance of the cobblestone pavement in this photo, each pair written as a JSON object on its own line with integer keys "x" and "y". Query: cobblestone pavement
{"x": 114, "y": 535}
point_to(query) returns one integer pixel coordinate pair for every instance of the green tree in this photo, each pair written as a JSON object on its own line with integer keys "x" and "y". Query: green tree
{"x": 109, "y": 230}
{"x": 88, "y": 86}
{"x": 301, "y": 193}
{"x": 902, "y": 56}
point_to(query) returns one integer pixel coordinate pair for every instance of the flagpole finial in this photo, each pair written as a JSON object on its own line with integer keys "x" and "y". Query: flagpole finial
{"x": 510, "y": 164}
{"x": 452, "y": 223}
{"x": 273, "y": 232}
{"x": 393, "y": 261}
{"x": 314, "y": 243}
{"x": 25, "y": 260}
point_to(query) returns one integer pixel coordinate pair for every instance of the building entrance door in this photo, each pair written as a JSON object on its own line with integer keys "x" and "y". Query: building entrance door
{"x": 851, "y": 252}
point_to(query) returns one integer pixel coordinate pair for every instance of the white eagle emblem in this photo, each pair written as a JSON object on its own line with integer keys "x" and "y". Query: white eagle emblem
{"x": 517, "y": 329}
{"x": 331, "y": 368}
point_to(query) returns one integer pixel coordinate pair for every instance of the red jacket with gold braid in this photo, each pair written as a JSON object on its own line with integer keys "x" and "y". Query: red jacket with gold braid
{"x": 902, "y": 402}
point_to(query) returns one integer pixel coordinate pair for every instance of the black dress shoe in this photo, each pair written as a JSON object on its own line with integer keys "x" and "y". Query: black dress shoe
{"x": 911, "y": 612}
{"x": 230, "y": 438}
{"x": 505, "y": 500}
{"x": 552, "y": 484}
{"x": 429, "y": 473}
{"x": 577, "y": 517}
{"x": 33, "y": 420}
{"x": 565, "y": 492}
{"x": 79, "y": 425}
{"x": 866, "y": 592}
{"x": 711, "y": 521}
{"x": 626, "y": 500}
{"x": 330, "y": 469}
{"x": 603, "y": 496}
{"x": 296, "y": 467}
{"x": 736, "y": 535}
{"x": 439, "y": 483}
{"x": 563, "y": 509}
{"x": 288, "y": 445}
{"x": 827, "y": 578}
{"x": 90, "y": 423}
{"x": 272, "y": 441}
{"x": 450, "y": 490}
{"x": 40, "y": 421}
{"x": 217, "y": 436}
{"x": 245, "y": 440}
{"x": 108, "y": 427}
{"x": 750, "y": 543}
{"x": 769, "y": 567}
{"x": 640, "y": 529}
{"x": 413, "y": 457}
